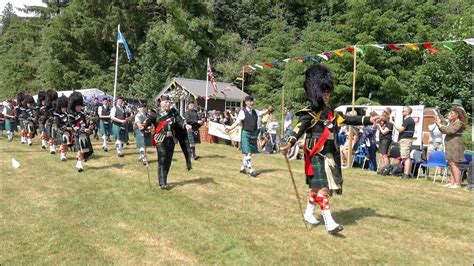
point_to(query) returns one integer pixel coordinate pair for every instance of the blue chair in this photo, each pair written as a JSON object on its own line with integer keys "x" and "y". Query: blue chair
{"x": 436, "y": 159}
{"x": 464, "y": 166}
{"x": 361, "y": 155}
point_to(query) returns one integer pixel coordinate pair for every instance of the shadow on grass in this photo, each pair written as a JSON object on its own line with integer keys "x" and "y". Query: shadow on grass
{"x": 351, "y": 216}
{"x": 200, "y": 181}
{"x": 211, "y": 156}
{"x": 27, "y": 151}
{"x": 115, "y": 165}
{"x": 263, "y": 171}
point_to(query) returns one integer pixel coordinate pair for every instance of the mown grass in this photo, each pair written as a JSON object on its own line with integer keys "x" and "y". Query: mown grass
{"x": 108, "y": 214}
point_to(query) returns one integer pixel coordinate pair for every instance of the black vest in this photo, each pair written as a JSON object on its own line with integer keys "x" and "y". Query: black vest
{"x": 105, "y": 112}
{"x": 120, "y": 114}
{"x": 250, "y": 121}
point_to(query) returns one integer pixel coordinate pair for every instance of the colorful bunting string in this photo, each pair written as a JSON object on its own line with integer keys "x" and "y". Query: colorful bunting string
{"x": 360, "y": 49}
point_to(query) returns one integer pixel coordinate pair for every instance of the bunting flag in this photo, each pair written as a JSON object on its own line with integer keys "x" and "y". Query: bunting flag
{"x": 323, "y": 56}
{"x": 269, "y": 65}
{"x": 239, "y": 78}
{"x": 380, "y": 46}
{"x": 311, "y": 58}
{"x": 328, "y": 55}
{"x": 429, "y": 47}
{"x": 360, "y": 48}
{"x": 211, "y": 78}
{"x": 297, "y": 59}
{"x": 448, "y": 45}
{"x": 339, "y": 53}
{"x": 393, "y": 47}
{"x": 413, "y": 47}
{"x": 469, "y": 41}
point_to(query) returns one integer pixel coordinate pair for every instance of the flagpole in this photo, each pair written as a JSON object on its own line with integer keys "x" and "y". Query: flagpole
{"x": 243, "y": 78}
{"x": 207, "y": 83}
{"x": 349, "y": 152}
{"x": 282, "y": 111}
{"x": 116, "y": 66}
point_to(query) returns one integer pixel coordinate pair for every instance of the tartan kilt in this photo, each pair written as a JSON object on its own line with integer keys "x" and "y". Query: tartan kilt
{"x": 139, "y": 139}
{"x": 48, "y": 130}
{"x": 10, "y": 125}
{"x": 105, "y": 129}
{"x": 319, "y": 179}
{"x": 248, "y": 142}
{"x": 120, "y": 132}
{"x": 194, "y": 137}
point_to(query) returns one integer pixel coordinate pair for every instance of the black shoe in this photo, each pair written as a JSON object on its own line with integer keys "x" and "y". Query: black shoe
{"x": 43, "y": 147}
{"x": 243, "y": 172}
{"x": 254, "y": 174}
{"x": 336, "y": 230}
{"x": 196, "y": 158}
{"x": 404, "y": 176}
{"x": 80, "y": 170}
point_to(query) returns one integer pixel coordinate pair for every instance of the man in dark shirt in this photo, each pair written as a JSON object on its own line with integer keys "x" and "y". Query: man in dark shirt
{"x": 406, "y": 132}
{"x": 192, "y": 118}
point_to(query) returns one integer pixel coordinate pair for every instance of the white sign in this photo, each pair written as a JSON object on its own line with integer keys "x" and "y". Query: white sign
{"x": 218, "y": 130}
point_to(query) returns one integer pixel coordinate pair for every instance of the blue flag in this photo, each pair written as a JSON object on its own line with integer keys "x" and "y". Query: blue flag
{"x": 121, "y": 39}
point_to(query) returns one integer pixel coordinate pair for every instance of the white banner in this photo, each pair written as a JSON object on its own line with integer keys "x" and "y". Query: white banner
{"x": 218, "y": 130}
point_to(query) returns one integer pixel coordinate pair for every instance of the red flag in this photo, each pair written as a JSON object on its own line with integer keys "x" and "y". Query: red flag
{"x": 429, "y": 47}
{"x": 270, "y": 65}
{"x": 350, "y": 49}
{"x": 393, "y": 47}
{"x": 211, "y": 78}
{"x": 297, "y": 59}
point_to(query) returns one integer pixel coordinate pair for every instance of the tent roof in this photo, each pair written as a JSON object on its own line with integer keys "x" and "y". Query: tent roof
{"x": 197, "y": 88}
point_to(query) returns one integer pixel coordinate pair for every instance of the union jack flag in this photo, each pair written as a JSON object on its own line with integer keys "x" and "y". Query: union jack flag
{"x": 211, "y": 78}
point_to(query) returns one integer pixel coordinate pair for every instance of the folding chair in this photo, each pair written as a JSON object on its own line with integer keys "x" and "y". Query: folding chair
{"x": 436, "y": 159}
{"x": 363, "y": 154}
{"x": 464, "y": 166}
{"x": 416, "y": 159}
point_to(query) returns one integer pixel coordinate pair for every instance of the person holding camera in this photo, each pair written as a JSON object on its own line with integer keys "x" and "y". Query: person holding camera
{"x": 385, "y": 136}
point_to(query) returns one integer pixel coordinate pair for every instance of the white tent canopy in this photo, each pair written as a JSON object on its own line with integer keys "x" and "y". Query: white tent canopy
{"x": 87, "y": 93}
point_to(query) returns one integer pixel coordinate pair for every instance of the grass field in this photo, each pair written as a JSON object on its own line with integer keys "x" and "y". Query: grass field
{"x": 213, "y": 215}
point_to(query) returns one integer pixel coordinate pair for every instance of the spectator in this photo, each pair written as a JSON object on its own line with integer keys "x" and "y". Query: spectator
{"x": 368, "y": 139}
{"x": 406, "y": 132}
{"x": 272, "y": 126}
{"x": 454, "y": 143}
{"x": 287, "y": 127}
{"x": 385, "y": 136}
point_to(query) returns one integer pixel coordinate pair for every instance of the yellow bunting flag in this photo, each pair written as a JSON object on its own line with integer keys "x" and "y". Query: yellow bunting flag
{"x": 413, "y": 47}
{"x": 339, "y": 53}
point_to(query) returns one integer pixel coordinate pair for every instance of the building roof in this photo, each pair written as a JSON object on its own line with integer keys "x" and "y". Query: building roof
{"x": 197, "y": 88}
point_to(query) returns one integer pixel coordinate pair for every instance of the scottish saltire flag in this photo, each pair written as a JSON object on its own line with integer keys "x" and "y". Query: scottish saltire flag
{"x": 211, "y": 78}
{"x": 121, "y": 39}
